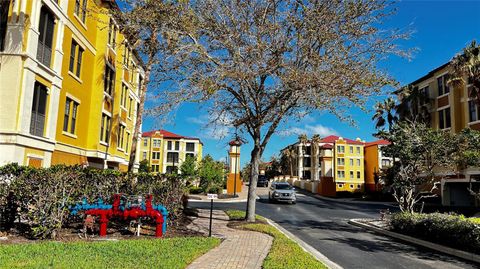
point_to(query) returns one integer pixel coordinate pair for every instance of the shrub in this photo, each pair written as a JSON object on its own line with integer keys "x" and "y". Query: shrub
{"x": 214, "y": 189}
{"x": 195, "y": 190}
{"x": 451, "y": 230}
{"x": 40, "y": 197}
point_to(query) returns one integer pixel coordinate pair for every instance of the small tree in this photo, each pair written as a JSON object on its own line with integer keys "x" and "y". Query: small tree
{"x": 188, "y": 169}
{"x": 468, "y": 154}
{"x": 144, "y": 166}
{"x": 420, "y": 150}
{"x": 211, "y": 174}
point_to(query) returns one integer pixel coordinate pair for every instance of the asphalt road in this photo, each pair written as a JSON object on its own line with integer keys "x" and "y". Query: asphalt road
{"x": 323, "y": 225}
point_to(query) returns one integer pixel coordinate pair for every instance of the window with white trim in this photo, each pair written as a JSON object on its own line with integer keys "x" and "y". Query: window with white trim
{"x": 105, "y": 128}
{"x": 70, "y": 116}
{"x": 121, "y": 136}
{"x": 341, "y": 149}
{"x": 76, "y": 53}
{"x": 81, "y": 9}
{"x": 341, "y": 161}
{"x": 112, "y": 34}
{"x": 39, "y": 110}
{"x": 341, "y": 174}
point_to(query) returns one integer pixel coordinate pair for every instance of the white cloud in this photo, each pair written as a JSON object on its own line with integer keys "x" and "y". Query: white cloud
{"x": 309, "y": 130}
{"x": 321, "y": 130}
{"x": 212, "y": 128}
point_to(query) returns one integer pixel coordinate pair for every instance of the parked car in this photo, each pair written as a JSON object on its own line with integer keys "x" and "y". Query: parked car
{"x": 262, "y": 181}
{"x": 282, "y": 192}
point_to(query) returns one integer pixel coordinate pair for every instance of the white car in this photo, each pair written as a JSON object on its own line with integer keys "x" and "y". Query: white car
{"x": 282, "y": 192}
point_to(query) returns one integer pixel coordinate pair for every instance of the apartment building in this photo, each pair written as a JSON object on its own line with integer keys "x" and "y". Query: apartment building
{"x": 375, "y": 162}
{"x": 451, "y": 109}
{"x": 68, "y": 85}
{"x": 166, "y": 151}
{"x": 337, "y": 162}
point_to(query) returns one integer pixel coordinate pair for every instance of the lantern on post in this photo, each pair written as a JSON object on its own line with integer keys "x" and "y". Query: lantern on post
{"x": 234, "y": 182}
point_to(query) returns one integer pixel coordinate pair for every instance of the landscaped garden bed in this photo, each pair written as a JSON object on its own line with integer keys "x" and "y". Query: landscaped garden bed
{"x": 455, "y": 231}
{"x": 284, "y": 253}
{"x": 450, "y": 230}
{"x": 43, "y": 217}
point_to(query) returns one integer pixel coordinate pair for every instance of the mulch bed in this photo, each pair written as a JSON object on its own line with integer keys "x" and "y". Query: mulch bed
{"x": 117, "y": 229}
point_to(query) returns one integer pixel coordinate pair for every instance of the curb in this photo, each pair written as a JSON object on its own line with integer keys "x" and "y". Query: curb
{"x": 447, "y": 250}
{"x": 315, "y": 253}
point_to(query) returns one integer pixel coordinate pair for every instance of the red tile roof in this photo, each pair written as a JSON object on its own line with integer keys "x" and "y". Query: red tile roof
{"x": 378, "y": 142}
{"x": 327, "y": 146}
{"x": 334, "y": 138}
{"x": 167, "y": 134}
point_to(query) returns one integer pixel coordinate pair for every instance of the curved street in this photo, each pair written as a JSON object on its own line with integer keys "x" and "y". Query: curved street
{"x": 323, "y": 225}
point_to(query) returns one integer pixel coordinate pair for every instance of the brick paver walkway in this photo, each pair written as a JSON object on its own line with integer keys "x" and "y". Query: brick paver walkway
{"x": 240, "y": 249}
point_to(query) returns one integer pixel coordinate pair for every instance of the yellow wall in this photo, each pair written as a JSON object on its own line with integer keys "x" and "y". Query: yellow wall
{"x": 347, "y": 167}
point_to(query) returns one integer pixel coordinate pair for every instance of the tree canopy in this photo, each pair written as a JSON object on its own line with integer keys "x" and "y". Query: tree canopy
{"x": 257, "y": 63}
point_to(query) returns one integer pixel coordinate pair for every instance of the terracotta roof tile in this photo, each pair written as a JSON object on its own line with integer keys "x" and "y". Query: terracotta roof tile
{"x": 334, "y": 138}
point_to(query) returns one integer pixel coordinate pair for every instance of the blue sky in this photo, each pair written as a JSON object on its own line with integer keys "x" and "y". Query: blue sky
{"x": 442, "y": 29}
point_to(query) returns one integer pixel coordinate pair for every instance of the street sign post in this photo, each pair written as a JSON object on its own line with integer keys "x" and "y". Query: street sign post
{"x": 211, "y": 196}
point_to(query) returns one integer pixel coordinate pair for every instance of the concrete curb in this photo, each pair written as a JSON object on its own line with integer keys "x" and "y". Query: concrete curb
{"x": 315, "y": 253}
{"x": 447, "y": 250}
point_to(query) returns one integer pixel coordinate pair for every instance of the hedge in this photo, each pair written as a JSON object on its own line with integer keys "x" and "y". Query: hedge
{"x": 40, "y": 197}
{"x": 450, "y": 230}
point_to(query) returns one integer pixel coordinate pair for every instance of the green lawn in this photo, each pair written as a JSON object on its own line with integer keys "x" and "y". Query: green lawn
{"x": 285, "y": 253}
{"x": 143, "y": 253}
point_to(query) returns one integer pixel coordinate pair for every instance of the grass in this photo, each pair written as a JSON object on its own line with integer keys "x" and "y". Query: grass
{"x": 143, "y": 253}
{"x": 285, "y": 253}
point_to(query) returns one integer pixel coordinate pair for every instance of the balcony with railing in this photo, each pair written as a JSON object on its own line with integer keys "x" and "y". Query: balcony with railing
{"x": 44, "y": 54}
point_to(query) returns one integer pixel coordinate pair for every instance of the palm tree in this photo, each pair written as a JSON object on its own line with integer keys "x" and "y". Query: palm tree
{"x": 303, "y": 139}
{"x": 287, "y": 160}
{"x": 413, "y": 104}
{"x": 465, "y": 69}
{"x": 385, "y": 113}
{"x": 315, "y": 142}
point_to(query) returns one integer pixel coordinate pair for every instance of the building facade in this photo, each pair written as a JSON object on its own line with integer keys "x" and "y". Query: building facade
{"x": 451, "y": 109}
{"x": 166, "y": 151}
{"x": 69, "y": 85}
{"x": 340, "y": 164}
{"x": 375, "y": 162}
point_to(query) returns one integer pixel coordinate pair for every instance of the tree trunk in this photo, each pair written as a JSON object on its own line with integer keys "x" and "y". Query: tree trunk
{"x": 251, "y": 201}
{"x": 138, "y": 122}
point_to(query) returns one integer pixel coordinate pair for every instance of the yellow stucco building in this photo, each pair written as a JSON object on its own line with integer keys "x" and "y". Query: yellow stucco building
{"x": 68, "y": 85}
{"x": 166, "y": 151}
{"x": 340, "y": 165}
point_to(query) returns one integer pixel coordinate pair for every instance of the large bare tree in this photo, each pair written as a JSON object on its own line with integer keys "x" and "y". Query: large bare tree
{"x": 258, "y": 63}
{"x": 145, "y": 24}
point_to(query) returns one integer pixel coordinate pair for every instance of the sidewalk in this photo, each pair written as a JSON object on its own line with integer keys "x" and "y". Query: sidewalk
{"x": 239, "y": 249}
{"x": 242, "y": 197}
